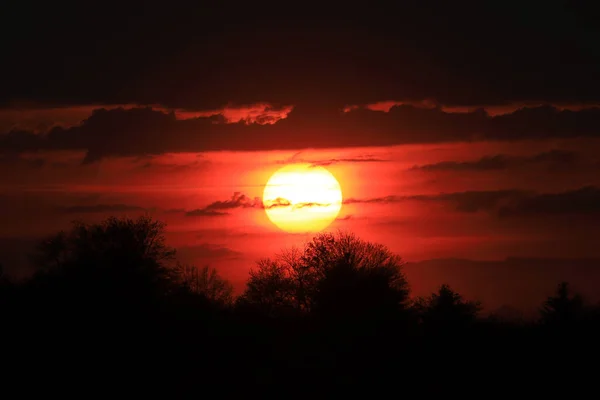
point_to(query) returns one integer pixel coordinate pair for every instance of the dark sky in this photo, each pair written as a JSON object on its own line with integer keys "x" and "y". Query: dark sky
{"x": 204, "y": 56}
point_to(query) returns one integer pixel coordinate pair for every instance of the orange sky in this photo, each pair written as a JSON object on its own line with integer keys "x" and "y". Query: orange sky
{"x": 45, "y": 199}
{"x": 451, "y": 136}
{"x": 477, "y": 199}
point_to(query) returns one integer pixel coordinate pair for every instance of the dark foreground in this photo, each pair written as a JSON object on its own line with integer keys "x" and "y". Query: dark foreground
{"x": 111, "y": 314}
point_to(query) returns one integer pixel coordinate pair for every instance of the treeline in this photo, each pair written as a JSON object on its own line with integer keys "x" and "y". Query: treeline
{"x": 110, "y": 307}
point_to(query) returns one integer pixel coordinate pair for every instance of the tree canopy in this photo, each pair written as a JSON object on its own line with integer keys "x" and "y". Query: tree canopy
{"x": 333, "y": 274}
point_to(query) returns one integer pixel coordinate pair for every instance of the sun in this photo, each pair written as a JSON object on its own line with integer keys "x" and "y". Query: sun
{"x": 302, "y": 198}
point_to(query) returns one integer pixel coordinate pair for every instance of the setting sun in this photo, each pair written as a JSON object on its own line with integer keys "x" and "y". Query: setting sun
{"x": 302, "y": 198}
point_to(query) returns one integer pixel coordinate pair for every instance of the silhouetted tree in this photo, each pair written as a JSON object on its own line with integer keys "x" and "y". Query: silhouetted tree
{"x": 563, "y": 308}
{"x": 206, "y": 281}
{"x": 273, "y": 286}
{"x": 52, "y": 252}
{"x": 334, "y": 275}
{"x": 446, "y": 309}
{"x": 109, "y": 267}
{"x": 139, "y": 243}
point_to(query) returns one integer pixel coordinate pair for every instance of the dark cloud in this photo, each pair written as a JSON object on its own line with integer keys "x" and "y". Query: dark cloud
{"x": 475, "y": 201}
{"x": 172, "y": 167}
{"x": 381, "y": 200}
{"x": 326, "y": 162}
{"x": 277, "y": 203}
{"x": 555, "y": 159}
{"x": 309, "y": 205}
{"x": 141, "y": 131}
{"x": 507, "y": 203}
{"x": 101, "y": 208}
{"x": 483, "y": 164}
{"x": 470, "y": 201}
{"x": 213, "y": 54}
{"x": 204, "y": 213}
{"x": 237, "y": 200}
{"x": 240, "y": 200}
{"x": 585, "y": 200}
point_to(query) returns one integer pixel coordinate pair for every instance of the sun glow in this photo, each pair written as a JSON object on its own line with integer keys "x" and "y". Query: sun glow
{"x": 302, "y": 198}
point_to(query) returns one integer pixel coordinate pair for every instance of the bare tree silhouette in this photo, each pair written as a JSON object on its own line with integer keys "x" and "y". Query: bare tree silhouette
{"x": 334, "y": 274}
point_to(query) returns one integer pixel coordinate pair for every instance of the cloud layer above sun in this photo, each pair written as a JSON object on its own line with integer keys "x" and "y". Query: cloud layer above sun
{"x": 143, "y": 131}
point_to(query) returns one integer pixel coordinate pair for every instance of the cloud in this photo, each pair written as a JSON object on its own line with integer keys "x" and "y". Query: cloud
{"x": 39, "y": 118}
{"x": 488, "y": 163}
{"x": 380, "y": 200}
{"x": 507, "y": 203}
{"x": 240, "y": 200}
{"x": 324, "y": 163}
{"x": 309, "y": 205}
{"x": 585, "y": 200}
{"x": 101, "y": 208}
{"x": 204, "y": 213}
{"x": 329, "y": 161}
{"x": 237, "y": 200}
{"x": 492, "y": 110}
{"x": 476, "y": 201}
{"x": 555, "y": 159}
{"x": 408, "y": 124}
{"x": 143, "y": 131}
{"x": 470, "y": 201}
{"x": 277, "y": 203}
{"x": 260, "y": 113}
{"x": 148, "y": 163}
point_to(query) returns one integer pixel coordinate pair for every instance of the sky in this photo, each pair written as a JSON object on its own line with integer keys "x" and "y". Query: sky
{"x": 464, "y": 136}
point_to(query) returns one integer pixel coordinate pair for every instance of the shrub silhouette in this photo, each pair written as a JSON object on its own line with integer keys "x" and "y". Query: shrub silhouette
{"x": 563, "y": 308}
{"x": 333, "y": 275}
{"x": 446, "y": 309}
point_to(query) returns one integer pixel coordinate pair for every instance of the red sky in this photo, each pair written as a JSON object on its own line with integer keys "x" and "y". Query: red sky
{"x": 451, "y": 136}
{"x": 425, "y": 201}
